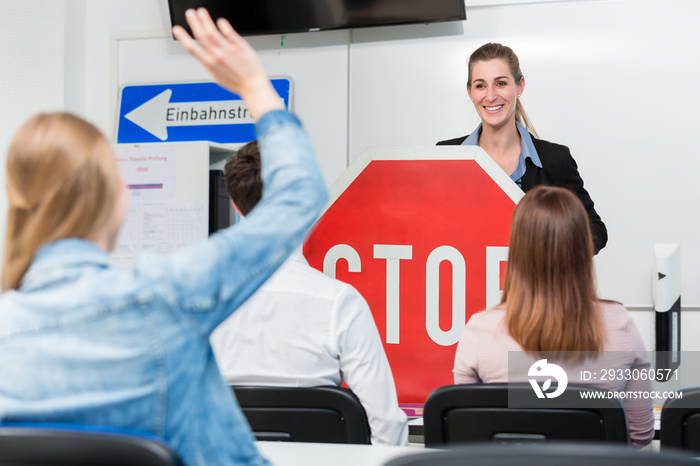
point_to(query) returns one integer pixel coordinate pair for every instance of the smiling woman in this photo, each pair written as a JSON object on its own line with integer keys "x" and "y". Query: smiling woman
{"x": 495, "y": 84}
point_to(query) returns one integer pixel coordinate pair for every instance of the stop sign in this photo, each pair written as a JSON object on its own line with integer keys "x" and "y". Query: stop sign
{"x": 422, "y": 233}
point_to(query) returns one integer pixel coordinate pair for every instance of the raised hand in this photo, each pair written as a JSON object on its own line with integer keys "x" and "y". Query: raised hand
{"x": 230, "y": 60}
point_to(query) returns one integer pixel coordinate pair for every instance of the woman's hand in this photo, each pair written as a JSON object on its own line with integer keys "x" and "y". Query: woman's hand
{"x": 230, "y": 60}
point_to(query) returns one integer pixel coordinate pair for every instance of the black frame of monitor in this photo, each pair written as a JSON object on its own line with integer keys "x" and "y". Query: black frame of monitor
{"x": 177, "y": 9}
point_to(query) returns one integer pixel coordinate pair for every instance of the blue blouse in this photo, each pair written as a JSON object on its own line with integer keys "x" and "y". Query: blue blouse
{"x": 527, "y": 151}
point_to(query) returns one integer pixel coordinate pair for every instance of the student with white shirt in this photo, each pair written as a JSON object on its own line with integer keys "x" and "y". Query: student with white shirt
{"x": 304, "y": 329}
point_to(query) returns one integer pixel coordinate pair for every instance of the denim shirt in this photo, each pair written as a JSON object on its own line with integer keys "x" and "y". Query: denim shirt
{"x": 84, "y": 342}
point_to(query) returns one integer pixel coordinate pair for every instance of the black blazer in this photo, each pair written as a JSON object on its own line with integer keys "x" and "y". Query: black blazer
{"x": 558, "y": 169}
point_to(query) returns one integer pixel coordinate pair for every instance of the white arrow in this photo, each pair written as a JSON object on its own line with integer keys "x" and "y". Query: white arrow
{"x": 158, "y": 113}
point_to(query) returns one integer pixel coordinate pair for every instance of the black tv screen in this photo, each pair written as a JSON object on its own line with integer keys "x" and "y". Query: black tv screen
{"x": 257, "y": 17}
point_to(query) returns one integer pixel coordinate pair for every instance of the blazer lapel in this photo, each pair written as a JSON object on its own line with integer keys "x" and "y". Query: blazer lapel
{"x": 530, "y": 176}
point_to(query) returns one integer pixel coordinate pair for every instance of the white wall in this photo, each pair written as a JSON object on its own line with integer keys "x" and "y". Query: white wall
{"x": 612, "y": 79}
{"x": 31, "y": 62}
{"x": 31, "y": 70}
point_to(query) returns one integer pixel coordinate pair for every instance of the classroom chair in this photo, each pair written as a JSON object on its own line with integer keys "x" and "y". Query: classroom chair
{"x": 544, "y": 454}
{"x": 316, "y": 414}
{"x": 456, "y": 414}
{"x": 78, "y": 445}
{"x": 680, "y": 422}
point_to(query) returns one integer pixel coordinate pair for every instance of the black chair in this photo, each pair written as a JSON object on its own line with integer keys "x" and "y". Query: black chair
{"x": 545, "y": 454}
{"x": 456, "y": 414}
{"x": 64, "y": 445}
{"x": 680, "y": 422}
{"x": 317, "y": 414}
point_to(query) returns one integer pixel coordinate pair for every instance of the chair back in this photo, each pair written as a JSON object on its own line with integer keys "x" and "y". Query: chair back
{"x": 316, "y": 414}
{"x": 544, "y": 454}
{"x": 479, "y": 413}
{"x": 76, "y": 445}
{"x": 680, "y": 422}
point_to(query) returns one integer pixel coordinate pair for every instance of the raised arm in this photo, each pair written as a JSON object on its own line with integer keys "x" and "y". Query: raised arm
{"x": 210, "y": 280}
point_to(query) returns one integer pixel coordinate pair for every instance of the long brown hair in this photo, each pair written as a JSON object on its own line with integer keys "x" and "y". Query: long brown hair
{"x": 62, "y": 181}
{"x": 549, "y": 293}
{"x": 493, "y": 51}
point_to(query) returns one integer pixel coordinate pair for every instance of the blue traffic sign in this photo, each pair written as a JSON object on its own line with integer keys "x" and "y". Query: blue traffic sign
{"x": 187, "y": 112}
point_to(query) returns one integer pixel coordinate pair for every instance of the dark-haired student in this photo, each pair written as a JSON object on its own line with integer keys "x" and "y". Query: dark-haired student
{"x": 304, "y": 329}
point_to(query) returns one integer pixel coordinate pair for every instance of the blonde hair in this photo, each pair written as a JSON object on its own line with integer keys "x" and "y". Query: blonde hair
{"x": 62, "y": 181}
{"x": 549, "y": 292}
{"x": 493, "y": 51}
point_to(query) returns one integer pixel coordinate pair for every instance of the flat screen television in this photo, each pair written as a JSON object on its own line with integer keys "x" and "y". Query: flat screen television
{"x": 258, "y": 17}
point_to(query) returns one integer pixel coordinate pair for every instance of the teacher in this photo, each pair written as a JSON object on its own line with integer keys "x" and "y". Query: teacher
{"x": 495, "y": 84}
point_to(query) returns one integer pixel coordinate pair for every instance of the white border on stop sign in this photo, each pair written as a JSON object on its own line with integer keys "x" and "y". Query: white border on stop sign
{"x": 475, "y": 153}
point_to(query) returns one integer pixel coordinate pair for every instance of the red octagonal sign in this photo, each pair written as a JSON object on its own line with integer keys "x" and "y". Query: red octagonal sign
{"x": 422, "y": 233}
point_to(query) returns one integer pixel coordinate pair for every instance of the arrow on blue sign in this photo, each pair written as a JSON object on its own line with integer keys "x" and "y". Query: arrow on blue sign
{"x": 187, "y": 112}
{"x": 158, "y": 113}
